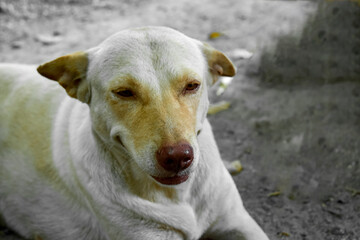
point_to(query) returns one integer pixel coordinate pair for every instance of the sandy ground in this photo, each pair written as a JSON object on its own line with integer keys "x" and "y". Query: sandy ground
{"x": 294, "y": 120}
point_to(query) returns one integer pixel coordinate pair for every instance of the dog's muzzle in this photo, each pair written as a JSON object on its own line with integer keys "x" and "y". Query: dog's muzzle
{"x": 174, "y": 159}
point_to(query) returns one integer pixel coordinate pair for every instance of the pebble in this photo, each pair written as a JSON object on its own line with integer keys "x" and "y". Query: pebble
{"x": 337, "y": 231}
{"x": 17, "y": 45}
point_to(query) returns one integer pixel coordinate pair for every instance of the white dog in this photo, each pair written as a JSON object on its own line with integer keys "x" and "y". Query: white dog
{"x": 129, "y": 155}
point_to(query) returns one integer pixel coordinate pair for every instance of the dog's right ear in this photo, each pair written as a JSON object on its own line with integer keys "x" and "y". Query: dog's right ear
{"x": 70, "y": 72}
{"x": 219, "y": 64}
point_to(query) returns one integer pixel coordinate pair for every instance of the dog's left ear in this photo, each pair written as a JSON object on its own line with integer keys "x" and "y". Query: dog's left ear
{"x": 219, "y": 64}
{"x": 70, "y": 71}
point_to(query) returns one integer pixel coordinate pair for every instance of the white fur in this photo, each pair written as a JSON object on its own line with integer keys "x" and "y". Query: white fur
{"x": 63, "y": 176}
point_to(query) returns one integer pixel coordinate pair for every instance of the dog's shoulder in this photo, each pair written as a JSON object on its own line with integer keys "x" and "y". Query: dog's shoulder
{"x": 24, "y": 81}
{"x": 28, "y": 103}
{"x": 10, "y": 72}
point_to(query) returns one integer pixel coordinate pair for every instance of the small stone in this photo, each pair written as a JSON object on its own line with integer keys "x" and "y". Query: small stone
{"x": 355, "y": 92}
{"x": 321, "y": 141}
{"x": 335, "y": 11}
{"x": 48, "y": 39}
{"x": 337, "y": 231}
{"x": 248, "y": 150}
{"x": 17, "y": 45}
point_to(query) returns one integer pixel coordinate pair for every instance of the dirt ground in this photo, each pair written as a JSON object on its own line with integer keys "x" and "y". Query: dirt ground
{"x": 294, "y": 120}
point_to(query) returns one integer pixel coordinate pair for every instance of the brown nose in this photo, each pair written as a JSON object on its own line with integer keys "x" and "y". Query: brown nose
{"x": 175, "y": 158}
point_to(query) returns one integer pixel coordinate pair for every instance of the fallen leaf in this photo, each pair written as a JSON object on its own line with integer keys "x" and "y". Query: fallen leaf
{"x": 224, "y": 83}
{"x": 240, "y": 53}
{"x": 353, "y": 191}
{"x": 218, "y": 107}
{"x": 215, "y": 35}
{"x": 37, "y": 237}
{"x": 274, "y": 194}
{"x": 284, "y": 234}
{"x": 236, "y": 167}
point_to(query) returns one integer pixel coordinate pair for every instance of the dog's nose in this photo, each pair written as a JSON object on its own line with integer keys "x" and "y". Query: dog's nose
{"x": 175, "y": 158}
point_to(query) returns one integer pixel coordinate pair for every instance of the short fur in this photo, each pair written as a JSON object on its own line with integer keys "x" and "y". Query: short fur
{"x": 81, "y": 167}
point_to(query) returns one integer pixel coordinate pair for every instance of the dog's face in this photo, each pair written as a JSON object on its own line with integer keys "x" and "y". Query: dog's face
{"x": 147, "y": 93}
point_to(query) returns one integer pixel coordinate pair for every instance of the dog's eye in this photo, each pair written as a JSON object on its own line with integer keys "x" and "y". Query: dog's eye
{"x": 124, "y": 93}
{"x": 192, "y": 87}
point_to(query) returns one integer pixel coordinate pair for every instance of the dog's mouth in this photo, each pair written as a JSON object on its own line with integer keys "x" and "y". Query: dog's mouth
{"x": 175, "y": 180}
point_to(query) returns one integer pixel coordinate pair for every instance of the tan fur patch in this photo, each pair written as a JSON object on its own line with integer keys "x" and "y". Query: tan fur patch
{"x": 165, "y": 119}
{"x": 30, "y": 132}
{"x": 161, "y": 118}
{"x": 128, "y": 82}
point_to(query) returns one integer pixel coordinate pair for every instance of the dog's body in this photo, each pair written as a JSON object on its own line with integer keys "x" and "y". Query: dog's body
{"x": 96, "y": 166}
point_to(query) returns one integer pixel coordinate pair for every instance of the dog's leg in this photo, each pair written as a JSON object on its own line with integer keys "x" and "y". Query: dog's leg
{"x": 239, "y": 227}
{"x": 234, "y": 234}
{"x": 233, "y": 221}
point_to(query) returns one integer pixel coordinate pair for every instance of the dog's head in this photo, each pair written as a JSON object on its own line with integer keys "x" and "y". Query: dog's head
{"x": 147, "y": 93}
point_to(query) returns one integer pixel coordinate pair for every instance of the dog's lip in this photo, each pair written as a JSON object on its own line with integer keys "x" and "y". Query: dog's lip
{"x": 175, "y": 180}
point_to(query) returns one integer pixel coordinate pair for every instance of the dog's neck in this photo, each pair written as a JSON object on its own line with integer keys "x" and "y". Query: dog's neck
{"x": 110, "y": 179}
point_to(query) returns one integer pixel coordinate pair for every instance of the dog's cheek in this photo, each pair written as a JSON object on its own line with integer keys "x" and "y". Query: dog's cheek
{"x": 201, "y": 111}
{"x": 146, "y": 163}
{"x": 195, "y": 145}
{"x": 102, "y": 118}
{"x": 99, "y": 124}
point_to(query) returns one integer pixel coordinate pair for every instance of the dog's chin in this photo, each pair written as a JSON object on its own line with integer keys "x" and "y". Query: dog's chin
{"x": 175, "y": 180}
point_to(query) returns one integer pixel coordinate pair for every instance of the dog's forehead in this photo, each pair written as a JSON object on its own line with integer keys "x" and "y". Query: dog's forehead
{"x": 150, "y": 54}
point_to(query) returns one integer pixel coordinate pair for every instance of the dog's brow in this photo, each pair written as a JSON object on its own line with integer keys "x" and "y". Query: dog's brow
{"x": 131, "y": 83}
{"x": 186, "y": 76}
{"x": 124, "y": 81}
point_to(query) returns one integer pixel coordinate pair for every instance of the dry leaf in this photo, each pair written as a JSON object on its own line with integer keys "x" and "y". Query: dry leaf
{"x": 284, "y": 234}
{"x": 240, "y": 53}
{"x": 37, "y": 237}
{"x": 233, "y": 167}
{"x": 215, "y": 35}
{"x": 218, "y": 107}
{"x": 224, "y": 83}
{"x": 274, "y": 194}
{"x": 353, "y": 191}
